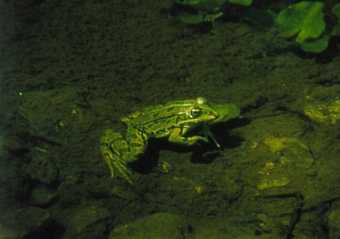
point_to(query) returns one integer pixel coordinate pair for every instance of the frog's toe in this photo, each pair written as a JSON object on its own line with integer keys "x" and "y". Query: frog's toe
{"x": 118, "y": 167}
{"x": 113, "y": 148}
{"x": 197, "y": 139}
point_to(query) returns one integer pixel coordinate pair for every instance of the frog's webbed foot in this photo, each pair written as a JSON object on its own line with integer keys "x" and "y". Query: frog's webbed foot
{"x": 192, "y": 140}
{"x": 177, "y": 137}
{"x": 114, "y": 148}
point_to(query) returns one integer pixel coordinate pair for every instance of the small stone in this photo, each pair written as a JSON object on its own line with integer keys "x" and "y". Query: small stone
{"x": 334, "y": 221}
{"x": 86, "y": 221}
{"x": 42, "y": 196}
{"x": 42, "y": 167}
{"x": 23, "y": 222}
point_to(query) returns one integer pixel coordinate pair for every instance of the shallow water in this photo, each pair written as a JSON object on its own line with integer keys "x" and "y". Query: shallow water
{"x": 72, "y": 69}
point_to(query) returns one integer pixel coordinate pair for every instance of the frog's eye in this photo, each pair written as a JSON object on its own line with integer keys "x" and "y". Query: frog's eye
{"x": 201, "y": 100}
{"x": 195, "y": 112}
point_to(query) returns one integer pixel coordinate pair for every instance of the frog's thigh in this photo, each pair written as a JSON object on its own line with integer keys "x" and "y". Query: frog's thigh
{"x": 176, "y": 137}
{"x": 137, "y": 142}
{"x": 113, "y": 148}
{"x": 112, "y": 140}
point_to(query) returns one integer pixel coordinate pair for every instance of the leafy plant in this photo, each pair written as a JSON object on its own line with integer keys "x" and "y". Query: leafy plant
{"x": 246, "y": 3}
{"x": 200, "y": 11}
{"x": 305, "y": 21}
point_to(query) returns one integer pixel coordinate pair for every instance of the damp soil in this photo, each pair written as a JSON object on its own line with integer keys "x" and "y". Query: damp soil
{"x": 71, "y": 69}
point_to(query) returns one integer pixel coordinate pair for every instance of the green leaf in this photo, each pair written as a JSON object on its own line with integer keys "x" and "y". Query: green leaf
{"x": 316, "y": 46}
{"x": 336, "y": 11}
{"x": 304, "y": 19}
{"x": 336, "y": 30}
{"x": 242, "y": 2}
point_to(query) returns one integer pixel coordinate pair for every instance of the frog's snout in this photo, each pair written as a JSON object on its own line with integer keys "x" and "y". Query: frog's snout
{"x": 227, "y": 111}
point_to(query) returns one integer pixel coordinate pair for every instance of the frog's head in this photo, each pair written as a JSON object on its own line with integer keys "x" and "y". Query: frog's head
{"x": 213, "y": 113}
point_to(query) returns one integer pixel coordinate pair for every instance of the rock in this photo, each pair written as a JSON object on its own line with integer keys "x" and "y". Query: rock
{"x": 327, "y": 113}
{"x": 224, "y": 229}
{"x": 158, "y": 225}
{"x": 54, "y": 114}
{"x": 85, "y": 221}
{"x": 42, "y": 167}
{"x": 323, "y": 110}
{"x": 42, "y": 196}
{"x": 8, "y": 233}
{"x": 285, "y": 158}
{"x": 334, "y": 221}
{"x": 23, "y": 223}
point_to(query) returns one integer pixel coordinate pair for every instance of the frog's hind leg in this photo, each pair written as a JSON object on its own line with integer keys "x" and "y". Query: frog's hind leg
{"x": 114, "y": 149}
{"x": 138, "y": 142}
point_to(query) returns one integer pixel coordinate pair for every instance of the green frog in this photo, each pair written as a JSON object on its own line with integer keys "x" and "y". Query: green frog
{"x": 172, "y": 121}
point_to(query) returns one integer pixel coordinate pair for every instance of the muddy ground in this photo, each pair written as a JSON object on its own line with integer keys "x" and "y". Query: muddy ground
{"x": 71, "y": 69}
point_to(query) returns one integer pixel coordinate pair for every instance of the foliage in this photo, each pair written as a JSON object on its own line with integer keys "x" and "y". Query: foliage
{"x": 305, "y": 21}
{"x": 336, "y": 13}
{"x": 241, "y": 2}
{"x": 205, "y": 10}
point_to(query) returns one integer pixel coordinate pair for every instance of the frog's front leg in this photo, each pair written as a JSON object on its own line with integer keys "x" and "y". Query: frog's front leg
{"x": 114, "y": 149}
{"x": 176, "y": 136}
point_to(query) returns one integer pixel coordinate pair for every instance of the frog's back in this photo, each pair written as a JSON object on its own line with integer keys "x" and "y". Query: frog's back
{"x": 158, "y": 119}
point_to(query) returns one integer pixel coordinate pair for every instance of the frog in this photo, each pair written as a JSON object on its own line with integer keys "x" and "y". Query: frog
{"x": 205, "y": 10}
{"x": 173, "y": 121}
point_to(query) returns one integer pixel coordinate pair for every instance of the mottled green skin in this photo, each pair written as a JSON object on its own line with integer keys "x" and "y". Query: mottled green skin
{"x": 172, "y": 121}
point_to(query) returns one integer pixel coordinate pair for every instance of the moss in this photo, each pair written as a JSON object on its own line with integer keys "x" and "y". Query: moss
{"x": 324, "y": 112}
{"x": 159, "y": 225}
